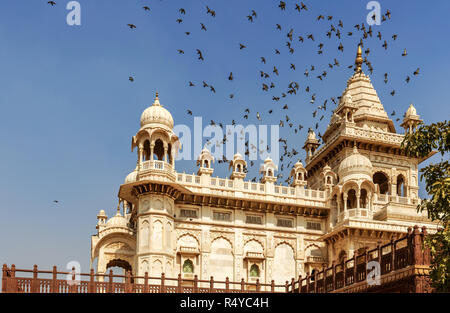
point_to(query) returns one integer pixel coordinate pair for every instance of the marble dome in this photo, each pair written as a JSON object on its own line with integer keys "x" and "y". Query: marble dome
{"x": 117, "y": 221}
{"x": 355, "y": 166}
{"x": 156, "y": 114}
{"x": 132, "y": 177}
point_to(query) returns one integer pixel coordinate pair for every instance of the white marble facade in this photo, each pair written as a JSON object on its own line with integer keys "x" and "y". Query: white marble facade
{"x": 355, "y": 191}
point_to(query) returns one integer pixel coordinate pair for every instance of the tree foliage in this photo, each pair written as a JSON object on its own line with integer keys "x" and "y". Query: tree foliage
{"x": 421, "y": 143}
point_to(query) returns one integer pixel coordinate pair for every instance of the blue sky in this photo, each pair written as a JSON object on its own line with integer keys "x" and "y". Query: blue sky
{"x": 68, "y": 110}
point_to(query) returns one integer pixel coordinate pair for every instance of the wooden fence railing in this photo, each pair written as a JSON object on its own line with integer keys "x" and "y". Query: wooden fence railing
{"x": 11, "y": 283}
{"x": 397, "y": 254}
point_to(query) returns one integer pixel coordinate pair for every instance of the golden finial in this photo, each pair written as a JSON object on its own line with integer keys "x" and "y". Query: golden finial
{"x": 359, "y": 60}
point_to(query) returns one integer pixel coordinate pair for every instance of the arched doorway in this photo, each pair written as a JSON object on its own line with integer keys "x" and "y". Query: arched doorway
{"x": 401, "y": 186}
{"x": 119, "y": 267}
{"x": 382, "y": 181}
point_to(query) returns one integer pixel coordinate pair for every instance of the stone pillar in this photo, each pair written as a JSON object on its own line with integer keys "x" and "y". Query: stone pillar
{"x": 152, "y": 146}
{"x": 165, "y": 153}
{"x": 345, "y": 207}
{"x": 140, "y": 153}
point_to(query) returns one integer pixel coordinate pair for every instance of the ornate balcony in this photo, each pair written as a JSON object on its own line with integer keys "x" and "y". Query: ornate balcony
{"x": 156, "y": 170}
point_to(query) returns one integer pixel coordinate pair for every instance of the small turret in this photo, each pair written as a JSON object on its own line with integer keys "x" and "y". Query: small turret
{"x": 411, "y": 119}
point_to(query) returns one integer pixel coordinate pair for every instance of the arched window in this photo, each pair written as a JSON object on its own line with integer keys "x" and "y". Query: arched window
{"x": 238, "y": 168}
{"x": 158, "y": 150}
{"x": 146, "y": 150}
{"x": 363, "y": 199}
{"x": 351, "y": 199}
{"x": 254, "y": 270}
{"x": 188, "y": 267}
{"x": 401, "y": 186}
{"x": 205, "y": 164}
{"x": 269, "y": 173}
{"x": 382, "y": 181}
{"x": 329, "y": 180}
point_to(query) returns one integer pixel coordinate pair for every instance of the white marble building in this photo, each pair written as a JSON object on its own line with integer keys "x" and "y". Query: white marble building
{"x": 356, "y": 191}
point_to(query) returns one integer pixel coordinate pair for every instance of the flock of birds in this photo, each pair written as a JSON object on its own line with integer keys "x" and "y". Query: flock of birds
{"x": 268, "y": 76}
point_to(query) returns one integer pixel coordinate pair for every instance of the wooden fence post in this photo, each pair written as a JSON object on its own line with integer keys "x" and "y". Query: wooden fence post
{"x": 393, "y": 247}
{"x": 91, "y": 288}
{"x": 227, "y": 285}
{"x": 272, "y": 286}
{"x": 146, "y": 282}
{"x": 180, "y": 288}
{"x": 195, "y": 284}
{"x": 417, "y": 246}
{"x": 54, "y": 287}
{"x": 34, "y": 281}
{"x": 426, "y": 249}
{"x": 258, "y": 286}
{"x": 299, "y": 284}
{"x": 110, "y": 282}
{"x": 128, "y": 286}
{"x": 163, "y": 283}
{"x": 292, "y": 285}
{"x": 286, "y": 286}
{"x": 242, "y": 284}
{"x": 315, "y": 281}
{"x": 333, "y": 285}
{"x": 4, "y": 278}
{"x": 307, "y": 282}
{"x": 74, "y": 283}
{"x": 13, "y": 279}
{"x": 211, "y": 284}
{"x": 410, "y": 246}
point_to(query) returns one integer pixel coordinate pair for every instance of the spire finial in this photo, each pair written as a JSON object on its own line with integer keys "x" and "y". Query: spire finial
{"x": 359, "y": 60}
{"x": 156, "y": 102}
{"x": 355, "y": 149}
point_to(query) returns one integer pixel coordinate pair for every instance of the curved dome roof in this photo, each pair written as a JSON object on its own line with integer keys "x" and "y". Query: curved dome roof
{"x": 117, "y": 221}
{"x": 156, "y": 114}
{"x": 355, "y": 166}
{"x": 132, "y": 177}
{"x": 411, "y": 111}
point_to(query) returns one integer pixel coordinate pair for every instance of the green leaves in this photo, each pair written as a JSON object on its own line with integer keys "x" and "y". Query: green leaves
{"x": 419, "y": 144}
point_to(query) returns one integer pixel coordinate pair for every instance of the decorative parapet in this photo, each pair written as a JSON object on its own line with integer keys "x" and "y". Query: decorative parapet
{"x": 258, "y": 191}
{"x": 355, "y": 132}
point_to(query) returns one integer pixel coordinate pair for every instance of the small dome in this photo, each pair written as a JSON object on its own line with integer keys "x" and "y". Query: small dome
{"x": 298, "y": 164}
{"x": 117, "y": 221}
{"x": 355, "y": 166}
{"x": 411, "y": 111}
{"x": 156, "y": 114}
{"x": 238, "y": 156}
{"x": 131, "y": 178}
{"x": 311, "y": 134}
{"x": 101, "y": 214}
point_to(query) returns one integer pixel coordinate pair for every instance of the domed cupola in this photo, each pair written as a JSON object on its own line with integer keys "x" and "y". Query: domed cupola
{"x": 156, "y": 115}
{"x": 355, "y": 166}
{"x": 132, "y": 177}
{"x": 117, "y": 221}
